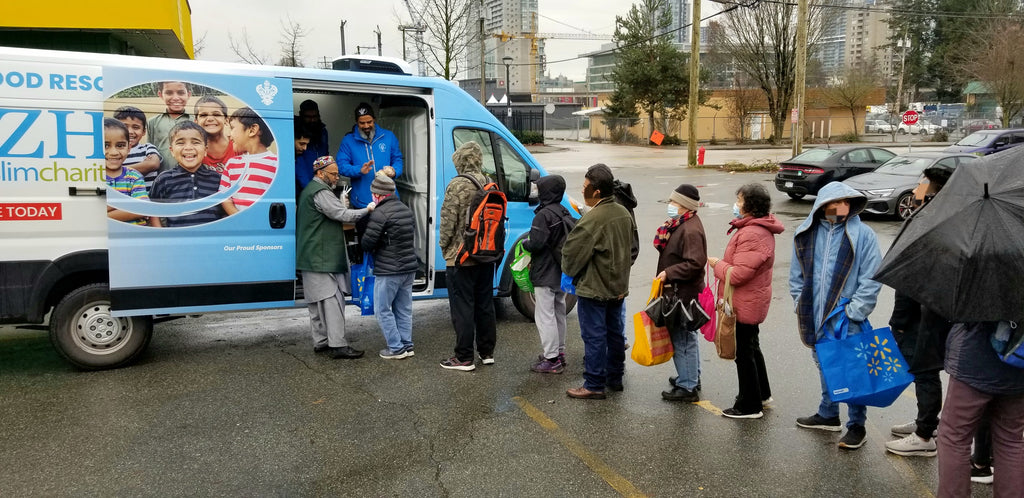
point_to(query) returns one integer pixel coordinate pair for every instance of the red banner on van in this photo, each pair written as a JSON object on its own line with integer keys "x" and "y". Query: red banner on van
{"x": 30, "y": 211}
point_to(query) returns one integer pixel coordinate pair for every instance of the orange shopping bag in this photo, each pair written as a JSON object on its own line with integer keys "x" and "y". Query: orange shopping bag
{"x": 652, "y": 344}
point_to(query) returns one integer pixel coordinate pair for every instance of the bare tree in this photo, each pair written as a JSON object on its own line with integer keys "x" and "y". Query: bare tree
{"x": 291, "y": 44}
{"x": 996, "y": 60}
{"x": 852, "y": 91}
{"x": 449, "y": 30}
{"x": 198, "y": 44}
{"x": 745, "y": 101}
{"x": 244, "y": 50}
{"x": 762, "y": 42}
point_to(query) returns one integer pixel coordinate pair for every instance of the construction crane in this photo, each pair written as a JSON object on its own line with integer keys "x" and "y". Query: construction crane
{"x": 534, "y": 37}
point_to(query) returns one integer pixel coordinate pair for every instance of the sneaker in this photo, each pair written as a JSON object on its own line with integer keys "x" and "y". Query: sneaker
{"x": 767, "y": 401}
{"x": 561, "y": 359}
{"x": 734, "y": 413}
{"x": 904, "y": 430}
{"x": 981, "y": 475}
{"x": 453, "y": 363}
{"x": 409, "y": 351}
{"x": 912, "y": 445}
{"x": 854, "y": 437}
{"x": 397, "y": 355}
{"x": 818, "y": 422}
{"x": 344, "y": 352}
{"x": 548, "y": 366}
{"x": 487, "y": 359}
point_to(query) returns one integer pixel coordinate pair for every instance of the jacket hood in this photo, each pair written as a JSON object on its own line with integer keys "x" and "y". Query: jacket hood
{"x": 624, "y": 195}
{"x": 468, "y": 158}
{"x": 770, "y": 223}
{"x": 834, "y": 191}
{"x": 550, "y": 189}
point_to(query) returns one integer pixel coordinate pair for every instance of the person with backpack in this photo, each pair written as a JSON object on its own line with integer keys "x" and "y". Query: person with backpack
{"x": 551, "y": 224}
{"x": 470, "y": 261}
{"x": 598, "y": 254}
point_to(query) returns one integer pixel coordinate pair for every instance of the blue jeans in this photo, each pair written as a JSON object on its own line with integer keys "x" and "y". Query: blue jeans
{"x": 858, "y": 413}
{"x": 686, "y": 357}
{"x": 392, "y": 304}
{"x": 604, "y": 354}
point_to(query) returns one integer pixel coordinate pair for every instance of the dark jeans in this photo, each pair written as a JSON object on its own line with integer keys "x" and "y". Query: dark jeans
{"x": 471, "y": 301}
{"x": 750, "y": 370}
{"x": 604, "y": 354}
{"x": 928, "y": 388}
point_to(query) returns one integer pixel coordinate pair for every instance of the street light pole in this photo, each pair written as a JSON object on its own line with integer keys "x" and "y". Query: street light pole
{"x": 508, "y": 89}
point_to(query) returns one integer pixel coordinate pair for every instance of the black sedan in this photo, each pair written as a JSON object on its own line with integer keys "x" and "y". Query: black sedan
{"x": 806, "y": 173}
{"x": 890, "y": 188}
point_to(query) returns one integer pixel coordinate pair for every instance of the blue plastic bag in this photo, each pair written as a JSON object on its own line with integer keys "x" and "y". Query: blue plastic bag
{"x": 362, "y": 284}
{"x": 862, "y": 369}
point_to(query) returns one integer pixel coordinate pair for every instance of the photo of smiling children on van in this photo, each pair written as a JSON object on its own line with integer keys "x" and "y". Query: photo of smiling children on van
{"x": 212, "y": 115}
{"x": 142, "y": 157}
{"x": 252, "y": 137}
{"x": 175, "y": 96}
{"x": 124, "y": 180}
{"x": 189, "y": 179}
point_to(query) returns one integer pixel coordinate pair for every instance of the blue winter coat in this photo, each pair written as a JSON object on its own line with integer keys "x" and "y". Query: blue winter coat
{"x": 356, "y": 150}
{"x": 816, "y": 263}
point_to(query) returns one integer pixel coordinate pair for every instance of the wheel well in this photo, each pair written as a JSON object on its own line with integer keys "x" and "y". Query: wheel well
{"x": 70, "y": 283}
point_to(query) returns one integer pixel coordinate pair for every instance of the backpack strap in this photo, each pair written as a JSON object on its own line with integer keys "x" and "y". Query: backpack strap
{"x": 474, "y": 180}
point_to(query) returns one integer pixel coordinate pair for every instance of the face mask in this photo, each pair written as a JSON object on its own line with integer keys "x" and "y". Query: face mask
{"x": 673, "y": 211}
{"x": 736, "y": 211}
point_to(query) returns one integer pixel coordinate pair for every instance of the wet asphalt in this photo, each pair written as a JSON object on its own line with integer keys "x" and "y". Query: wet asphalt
{"x": 238, "y": 404}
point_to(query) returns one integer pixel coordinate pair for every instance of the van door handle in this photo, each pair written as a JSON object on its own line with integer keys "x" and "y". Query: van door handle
{"x": 278, "y": 215}
{"x": 94, "y": 191}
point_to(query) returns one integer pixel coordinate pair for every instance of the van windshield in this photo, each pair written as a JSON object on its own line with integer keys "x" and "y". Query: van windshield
{"x": 976, "y": 139}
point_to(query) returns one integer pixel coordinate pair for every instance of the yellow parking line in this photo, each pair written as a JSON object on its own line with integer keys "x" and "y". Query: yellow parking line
{"x": 613, "y": 478}
{"x": 709, "y": 407}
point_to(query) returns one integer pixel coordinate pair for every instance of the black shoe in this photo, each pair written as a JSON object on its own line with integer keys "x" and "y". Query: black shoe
{"x": 672, "y": 382}
{"x": 323, "y": 348}
{"x": 680, "y": 394}
{"x": 818, "y": 422}
{"x": 854, "y": 437}
{"x": 734, "y": 413}
{"x": 614, "y": 387}
{"x": 345, "y": 352}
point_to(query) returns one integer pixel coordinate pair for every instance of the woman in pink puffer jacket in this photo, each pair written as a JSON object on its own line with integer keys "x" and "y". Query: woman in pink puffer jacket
{"x": 750, "y": 255}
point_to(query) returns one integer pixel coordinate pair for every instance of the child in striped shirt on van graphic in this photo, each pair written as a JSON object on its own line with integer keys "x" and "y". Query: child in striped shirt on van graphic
{"x": 252, "y": 138}
{"x": 120, "y": 178}
{"x": 142, "y": 157}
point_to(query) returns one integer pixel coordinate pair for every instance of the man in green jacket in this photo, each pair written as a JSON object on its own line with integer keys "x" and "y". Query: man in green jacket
{"x": 322, "y": 257}
{"x": 598, "y": 254}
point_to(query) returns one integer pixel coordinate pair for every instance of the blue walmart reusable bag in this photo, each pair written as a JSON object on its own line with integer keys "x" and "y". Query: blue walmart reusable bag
{"x": 362, "y": 284}
{"x": 862, "y": 369}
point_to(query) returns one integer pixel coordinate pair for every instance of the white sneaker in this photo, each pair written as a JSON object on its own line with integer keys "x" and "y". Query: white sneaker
{"x": 912, "y": 445}
{"x": 904, "y": 430}
{"x": 767, "y": 402}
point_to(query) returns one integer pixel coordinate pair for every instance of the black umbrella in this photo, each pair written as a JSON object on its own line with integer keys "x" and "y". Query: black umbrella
{"x": 962, "y": 255}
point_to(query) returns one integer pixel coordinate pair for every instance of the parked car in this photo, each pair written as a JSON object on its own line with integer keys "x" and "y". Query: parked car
{"x": 972, "y": 125}
{"x": 890, "y": 188}
{"x": 805, "y": 173}
{"x": 918, "y": 128}
{"x": 987, "y": 142}
{"x": 878, "y": 126}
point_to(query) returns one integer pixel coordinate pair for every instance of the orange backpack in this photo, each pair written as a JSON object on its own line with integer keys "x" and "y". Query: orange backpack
{"x": 484, "y": 238}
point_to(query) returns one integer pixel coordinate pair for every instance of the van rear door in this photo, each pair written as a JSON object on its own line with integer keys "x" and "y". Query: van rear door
{"x": 201, "y": 259}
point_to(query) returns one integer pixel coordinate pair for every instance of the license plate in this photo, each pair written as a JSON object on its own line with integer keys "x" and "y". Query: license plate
{"x": 789, "y": 184}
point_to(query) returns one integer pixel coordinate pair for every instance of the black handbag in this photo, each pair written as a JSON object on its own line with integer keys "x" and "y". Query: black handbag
{"x": 671, "y": 312}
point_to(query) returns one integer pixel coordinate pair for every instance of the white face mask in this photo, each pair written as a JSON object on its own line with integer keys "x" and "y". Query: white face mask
{"x": 736, "y": 211}
{"x": 673, "y": 211}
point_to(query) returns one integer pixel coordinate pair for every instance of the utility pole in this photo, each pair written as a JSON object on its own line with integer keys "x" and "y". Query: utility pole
{"x": 379, "y": 51}
{"x": 343, "y": 36}
{"x": 800, "y": 78}
{"x": 691, "y": 113}
{"x": 415, "y": 28}
{"x": 483, "y": 66}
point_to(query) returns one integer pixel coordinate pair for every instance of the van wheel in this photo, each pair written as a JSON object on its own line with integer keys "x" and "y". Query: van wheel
{"x": 84, "y": 333}
{"x": 527, "y": 304}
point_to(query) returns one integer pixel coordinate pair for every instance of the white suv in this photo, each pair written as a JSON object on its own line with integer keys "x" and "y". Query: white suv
{"x": 919, "y": 128}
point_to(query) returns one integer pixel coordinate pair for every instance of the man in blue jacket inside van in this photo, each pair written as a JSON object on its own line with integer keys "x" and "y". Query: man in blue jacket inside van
{"x": 366, "y": 150}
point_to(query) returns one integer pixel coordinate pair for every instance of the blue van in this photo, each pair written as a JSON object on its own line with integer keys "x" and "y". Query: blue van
{"x": 985, "y": 142}
{"x": 102, "y": 280}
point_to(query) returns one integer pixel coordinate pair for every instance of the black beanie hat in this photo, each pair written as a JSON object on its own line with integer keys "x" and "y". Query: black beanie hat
{"x": 364, "y": 109}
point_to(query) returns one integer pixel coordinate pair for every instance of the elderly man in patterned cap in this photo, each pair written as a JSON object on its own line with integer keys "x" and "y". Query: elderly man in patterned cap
{"x": 323, "y": 260}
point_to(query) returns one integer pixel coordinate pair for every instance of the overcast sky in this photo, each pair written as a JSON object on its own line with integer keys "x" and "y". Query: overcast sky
{"x": 262, "y": 20}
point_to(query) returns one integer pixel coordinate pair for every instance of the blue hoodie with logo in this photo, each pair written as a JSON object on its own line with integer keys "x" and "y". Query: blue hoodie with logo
{"x": 356, "y": 150}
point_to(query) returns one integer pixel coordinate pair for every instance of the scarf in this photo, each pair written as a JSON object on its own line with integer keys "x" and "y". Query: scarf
{"x": 666, "y": 229}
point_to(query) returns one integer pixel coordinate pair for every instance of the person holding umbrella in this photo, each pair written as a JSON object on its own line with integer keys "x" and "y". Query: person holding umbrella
{"x": 921, "y": 335}
{"x": 834, "y": 258}
{"x": 971, "y": 238}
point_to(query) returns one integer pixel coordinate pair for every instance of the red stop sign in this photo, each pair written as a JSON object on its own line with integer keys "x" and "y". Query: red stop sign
{"x": 910, "y": 117}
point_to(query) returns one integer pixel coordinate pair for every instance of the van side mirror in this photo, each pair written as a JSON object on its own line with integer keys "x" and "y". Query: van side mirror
{"x": 534, "y": 197}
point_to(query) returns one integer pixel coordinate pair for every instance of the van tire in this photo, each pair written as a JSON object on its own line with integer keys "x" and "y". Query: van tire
{"x": 527, "y": 304}
{"x": 110, "y": 342}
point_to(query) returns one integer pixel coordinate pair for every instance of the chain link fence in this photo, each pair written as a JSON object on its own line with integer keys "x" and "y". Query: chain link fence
{"x": 576, "y": 128}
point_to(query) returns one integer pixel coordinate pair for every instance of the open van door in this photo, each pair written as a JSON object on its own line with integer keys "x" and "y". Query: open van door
{"x": 201, "y": 259}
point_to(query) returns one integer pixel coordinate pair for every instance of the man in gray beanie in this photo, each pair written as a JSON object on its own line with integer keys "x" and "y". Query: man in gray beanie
{"x": 389, "y": 237}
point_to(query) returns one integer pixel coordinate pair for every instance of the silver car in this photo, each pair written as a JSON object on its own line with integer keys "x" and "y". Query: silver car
{"x": 890, "y": 188}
